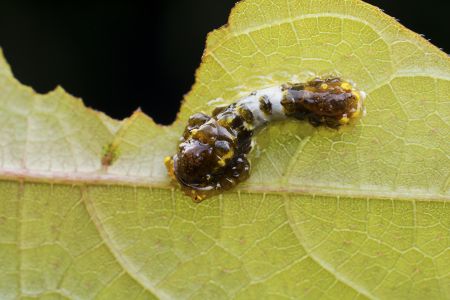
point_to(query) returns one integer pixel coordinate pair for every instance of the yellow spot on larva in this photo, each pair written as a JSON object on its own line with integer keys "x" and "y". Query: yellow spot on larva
{"x": 228, "y": 155}
{"x": 193, "y": 132}
{"x": 356, "y": 113}
{"x": 168, "y": 161}
{"x": 344, "y": 120}
{"x": 346, "y": 86}
{"x": 249, "y": 126}
{"x": 225, "y": 121}
{"x": 324, "y": 86}
{"x": 197, "y": 197}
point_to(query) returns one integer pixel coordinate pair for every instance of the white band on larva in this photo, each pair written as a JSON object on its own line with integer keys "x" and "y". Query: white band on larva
{"x": 252, "y": 102}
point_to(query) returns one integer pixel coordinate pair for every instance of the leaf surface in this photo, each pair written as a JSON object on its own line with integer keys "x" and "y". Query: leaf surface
{"x": 87, "y": 209}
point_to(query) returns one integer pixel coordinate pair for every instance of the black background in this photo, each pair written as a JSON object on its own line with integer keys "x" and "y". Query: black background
{"x": 121, "y": 55}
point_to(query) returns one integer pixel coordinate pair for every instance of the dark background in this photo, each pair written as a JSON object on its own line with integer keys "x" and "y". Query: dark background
{"x": 121, "y": 55}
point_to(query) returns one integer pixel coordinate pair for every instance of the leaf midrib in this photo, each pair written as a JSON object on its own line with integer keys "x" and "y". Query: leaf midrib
{"x": 275, "y": 188}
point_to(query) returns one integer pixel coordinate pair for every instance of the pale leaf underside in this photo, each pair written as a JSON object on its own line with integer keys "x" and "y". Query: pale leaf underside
{"x": 363, "y": 212}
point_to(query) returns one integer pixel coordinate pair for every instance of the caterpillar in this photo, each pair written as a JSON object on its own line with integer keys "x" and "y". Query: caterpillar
{"x": 212, "y": 154}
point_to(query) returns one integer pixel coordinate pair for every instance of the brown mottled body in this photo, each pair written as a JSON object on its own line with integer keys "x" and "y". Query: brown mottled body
{"x": 329, "y": 102}
{"x": 212, "y": 154}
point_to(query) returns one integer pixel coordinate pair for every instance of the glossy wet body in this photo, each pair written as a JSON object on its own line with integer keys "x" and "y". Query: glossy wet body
{"x": 212, "y": 154}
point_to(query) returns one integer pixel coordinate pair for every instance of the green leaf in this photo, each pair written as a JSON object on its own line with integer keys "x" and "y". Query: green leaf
{"x": 87, "y": 209}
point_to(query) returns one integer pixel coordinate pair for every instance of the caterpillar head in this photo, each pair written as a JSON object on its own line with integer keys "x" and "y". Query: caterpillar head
{"x": 209, "y": 157}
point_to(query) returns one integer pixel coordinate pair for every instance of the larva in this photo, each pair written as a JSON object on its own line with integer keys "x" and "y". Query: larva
{"x": 212, "y": 154}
